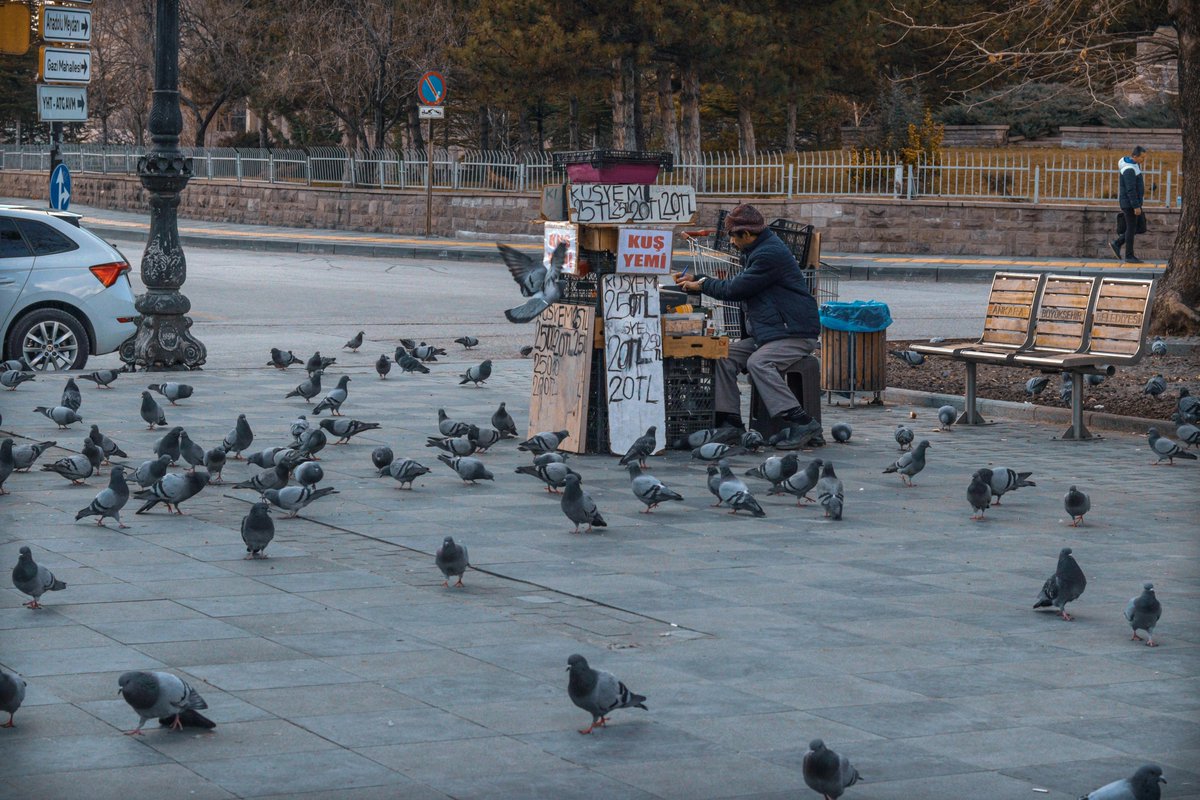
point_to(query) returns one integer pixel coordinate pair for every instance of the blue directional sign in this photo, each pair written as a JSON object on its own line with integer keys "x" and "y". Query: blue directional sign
{"x": 60, "y": 188}
{"x": 432, "y": 89}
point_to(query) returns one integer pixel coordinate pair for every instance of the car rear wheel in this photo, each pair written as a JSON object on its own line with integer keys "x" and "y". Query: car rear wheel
{"x": 49, "y": 340}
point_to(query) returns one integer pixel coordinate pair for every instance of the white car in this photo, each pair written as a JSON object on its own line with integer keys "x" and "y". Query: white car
{"x": 64, "y": 291}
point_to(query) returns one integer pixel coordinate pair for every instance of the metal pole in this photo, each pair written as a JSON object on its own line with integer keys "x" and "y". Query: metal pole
{"x": 429, "y": 181}
{"x": 1037, "y": 180}
{"x": 55, "y": 150}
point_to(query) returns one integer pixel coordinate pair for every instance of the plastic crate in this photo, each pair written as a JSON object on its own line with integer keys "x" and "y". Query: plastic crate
{"x": 690, "y": 396}
{"x": 797, "y": 237}
{"x": 581, "y": 291}
{"x": 599, "y": 262}
{"x": 607, "y": 158}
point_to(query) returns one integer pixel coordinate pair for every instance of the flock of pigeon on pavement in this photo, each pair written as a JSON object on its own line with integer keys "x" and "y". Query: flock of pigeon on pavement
{"x": 163, "y": 696}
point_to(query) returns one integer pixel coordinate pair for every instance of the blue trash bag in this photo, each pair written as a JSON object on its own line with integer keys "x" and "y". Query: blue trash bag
{"x": 860, "y": 316}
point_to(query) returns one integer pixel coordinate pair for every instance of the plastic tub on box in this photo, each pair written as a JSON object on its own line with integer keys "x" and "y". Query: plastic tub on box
{"x": 613, "y": 166}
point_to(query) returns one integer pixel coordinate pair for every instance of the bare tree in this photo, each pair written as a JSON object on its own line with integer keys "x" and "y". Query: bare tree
{"x": 122, "y": 70}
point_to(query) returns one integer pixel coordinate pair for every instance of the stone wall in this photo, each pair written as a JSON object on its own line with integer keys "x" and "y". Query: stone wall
{"x": 955, "y": 135}
{"x": 848, "y": 225}
{"x": 1122, "y": 138}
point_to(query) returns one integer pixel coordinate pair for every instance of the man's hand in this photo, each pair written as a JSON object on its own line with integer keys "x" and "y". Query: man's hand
{"x": 685, "y": 283}
{"x": 1137, "y": 212}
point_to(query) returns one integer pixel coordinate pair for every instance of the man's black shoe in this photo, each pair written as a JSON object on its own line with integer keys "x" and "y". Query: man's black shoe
{"x": 1132, "y": 260}
{"x": 795, "y": 437}
{"x": 723, "y": 419}
{"x": 1116, "y": 248}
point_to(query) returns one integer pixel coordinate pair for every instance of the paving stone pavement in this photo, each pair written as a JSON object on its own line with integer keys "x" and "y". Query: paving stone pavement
{"x": 339, "y": 666}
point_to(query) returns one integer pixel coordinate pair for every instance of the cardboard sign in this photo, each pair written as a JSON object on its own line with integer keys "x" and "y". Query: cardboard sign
{"x": 613, "y": 203}
{"x": 644, "y": 251}
{"x": 562, "y": 368}
{"x": 562, "y": 232}
{"x": 633, "y": 365}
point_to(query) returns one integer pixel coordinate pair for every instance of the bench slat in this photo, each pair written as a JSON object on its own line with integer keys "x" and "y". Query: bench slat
{"x": 1013, "y": 297}
{"x": 1059, "y": 300}
{"x": 1125, "y": 290}
{"x": 1006, "y": 324}
{"x": 1135, "y": 304}
{"x": 1059, "y": 342}
{"x": 1122, "y": 333}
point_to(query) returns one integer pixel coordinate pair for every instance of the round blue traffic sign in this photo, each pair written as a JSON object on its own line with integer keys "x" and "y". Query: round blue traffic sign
{"x": 432, "y": 89}
{"x": 60, "y": 188}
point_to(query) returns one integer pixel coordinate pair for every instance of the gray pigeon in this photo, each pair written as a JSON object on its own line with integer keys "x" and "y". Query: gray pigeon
{"x": 238, "y": 439}
{"x": 295, "y": 498}
{"x": 1190, "y": 434}
{"x": 979, "y": 493}
{"x": 214, "y": 462}
{"x": 457, "y": 446}
{"x": 168, "y": 445}
{"x": 173, "y": 391}
{"x": 334, "y": 398}
{"x": 452, "y": 560}
{"x": 504, "y": 423}
{"x": 909, "y": 464}
{"x": 312, "y": 442}
{"x": 33, "y": 579}
{"x": 344, "y": 428}
{"x": 904, "y": 436}
{"x": 106, "y": 445}
{"x": 12, "y": 694}
{"x": 1158, "y": 347}
{"x": 1155, "y": 386}
{"x": 1066, "y": 389}
{"x": 161, "y": 695}
{"x": 151, "y": 411}
{"x": 545, "y": 283}
{"x": 282, "y": 359}
{"x": 191, "y": 452}
{"x": 1142, "y": 785}
{"x": 1077, "y": 504}
{"x": 830, "y": 492}
{"x": 752, "y": 440}
{"x": 1066, "y": 584}
{"x": 409, "y": 364}
{"x": 299, "y": 425}
{"x": 1143, "y": 612}
{"x": 467, "y": 341}
{"x": 409, "y": 343}
{"x": 308, "y": 388}
{"x": 598, "y": 692}
{"x": 579, "y": 506}
{"x": 468, "y": 468}
{"x": 151, "y": 471}
{"x": 526, "y": 351}
{"x": 800, "y": 483}
{"x": 427, "y": 352}
{"x": 25, "y": 455}
{"x": 59, "y": 415}
{"x": 318, "y": 362}
{"x": 76, "y": 469}
{"x": 715, "y": 451}
{"x": 1188, "y": 406}
{"x": 383, "y": 365}
{"x": 642, "y": 448}
{"x": 71, "y": 398}
{"x": 102, "y": 377}
{"x": 265, "y": 458}
{"x": 827, "y": 773}
{"x": 776, "y": 469}
{"x": 549, "y": 458}
{"x": 258, "y": 530}
{"x": 528, "y": 273}
{"x": 110, "y": 501}
{"x": 11, "y": 379}
{"x": 841, "y": 432}
{"x": 310, "y": 473}
{"x": 449, "y": 427}
{"x": 1094, "y": 379}
{"x": 274, "y": 477}
{"x": 910, "y": 357}
{"x": 477, "y": 374}
{"x": 649, "y": 489}
{"x": 171, "y": 490}
{"x": 93, "y": 454}
{"x": 1002, "y": 480}
{"x": 1165, "y": 448}
{"x": 355, "y": 342}
{"x": 1036, "y": 385}
{"x": 483, "y": 439}
{"x": 7, "y": 465}
{"x": 404, "y": 471}
{"x": 553, "y": 474}
{"x": 382, "y": 456}
{"x": 544, "y": 442}
{"x": 714, "y": 483}
{"x": 946, "y": 417}
{"x": 726, "y": 434}
{"x": 735, "y": 494}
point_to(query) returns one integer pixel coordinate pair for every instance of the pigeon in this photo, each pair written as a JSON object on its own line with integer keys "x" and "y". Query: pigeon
{"x": 649, "y": 489}
{"x": 1190, "y": 434}
{"x": 151, "y": 471}
{"x": 93, "y": 453}
{"x": 76, "y": 469}
{"x": 102, "y": 377}
{"x": 451, "y": 559}
{"x": 1142, "y": 785}
{"x": 309, "y": 388}
{"x": 544, "y": 442}
{"x": 469, "y": 469}
{"x": 1155, "y": 386}
{"x": 168, "y": 445}
{"x": 457, "y": 445}
{"x": 541, "y": 284}
{"x": 1036, "y": 385}
{"x": 548, "y": 458}
{"x": 274, "y": 477}
{"x": 299, "y": 425}
{"x": 18, "y": 364}
{"x": 752, "y": 440}
{"x": 726, "y": 434}
{"x": 171, "y": 490}
{"x": 7, "y": 465}
{"x": 214, "y": 462}
{"x": 714, "y": 483}
{"x": 409, "y": 364}
{"x": 161, "y": 695}
{"x": 110, "y": 501}
{"x": 12, "y": 694}
{"x": 579, "y": 506}
{"x": 910, "y": 357}
{"x": 799, "y": 484}
{"x": 1002, "y": 480}
{"x": 526, "y": 351}
{"x": 295, "y": 498}
{"x": 1166, "y": 448}
{"x": 1066, "y": 584}
{"x": 528, "y": 273}
{"x": 59, "y": 415}
{"x": 825, "y": 772}
{"x": 946, "y": 417}
{"x": 344, "y": 428}
{"x": 1158, "y": 347}
{"x": 258, "y": 530}
{"x": 106, "y": 445}
{"x": 404, "y": 471}
{"x": 318, "y": 362}
{"x": 598, "y": 692}
{"x": 71, "y": 397}
{"x": 408, "y": 343}
{"x": 1188, "y": 406}
{"x": 1143, "y": 612}
{"x": 450, "y": 428}
{"x": 265, "y": 458}
{"x": 309, "y": 473}
{"x": 841, "y": 432}
{"x": 427, "y": 352}
{"x": 334, "y": 398}
{"x": 483, "y": 439}
{"x": 735, "y": 494}
{"x": 282, "y": 359}
{"x": 1095, "y": 380}
{"x": 191, "y": 452}
{"x": 715, "y": 451}
{"x": 979, "y": 493}
{"x": 240, "y": 438}
{"x": 312, "y": 442}
{"x": 553, "y": 474}
{"x": 383, "y": 365}
{"x": 904, "y": 436}
{"x": 776, "y": 469}
{"x": 1077, "y": 504}
{"x": 910, "y": 463}
{"x": 172, "y": 391}
{"x": 1066, "y": 389}
{"x": 33, "y": 579}
{"x": 354, "y": 343}
{"x": 25, "y": 455}
{"x": 467, "y": 341}
{"x": 382, "y": 456}
{"x": 504, "y": 423}
{"x": 478, "y": 374}
{"x": 830, "y": 493}
{"x": 642, "y": 447}
{"x": 151, "y": 411}
{"x": 11, "y": 379}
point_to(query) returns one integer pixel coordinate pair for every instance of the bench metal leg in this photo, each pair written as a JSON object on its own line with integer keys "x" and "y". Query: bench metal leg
{"x": 970, "y": 415}
{"x": 1077, "y": 431}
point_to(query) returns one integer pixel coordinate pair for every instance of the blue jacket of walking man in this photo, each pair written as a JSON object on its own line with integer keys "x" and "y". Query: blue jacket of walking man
{"x": 781, "y": 321}
{"x": 1131, "y": 192}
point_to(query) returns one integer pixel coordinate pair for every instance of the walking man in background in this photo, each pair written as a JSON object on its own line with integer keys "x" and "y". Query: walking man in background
{"x": 1132, "y": 189}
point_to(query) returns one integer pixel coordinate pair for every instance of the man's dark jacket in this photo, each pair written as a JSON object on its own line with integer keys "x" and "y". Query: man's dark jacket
{"x": 773, "y": 292}
{"x": 1133, "y": 185}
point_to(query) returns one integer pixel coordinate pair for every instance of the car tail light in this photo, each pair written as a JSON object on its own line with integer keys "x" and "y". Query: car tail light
{"x": 107, "y": 274}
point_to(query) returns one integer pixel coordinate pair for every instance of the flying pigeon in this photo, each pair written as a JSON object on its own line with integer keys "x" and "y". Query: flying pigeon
{"x": 59, "y": 415}
{"x": 110, "y": 501}
{"x": 598, "y": 692}
{"x": 904, "y": 436}
{"x": 642, "y": 448}
{"x": 467, "y": 341}
{"x": 946, "y": 417}
{"x": 383, "y": 365}
{"x": 1158, "y": 347}
{"x": 776, "y": 469}
{"x": 1036, "y": 385}
{"x": 979, "y": 493}
{"x": 106, "y": 445}
{"x": 11, "y": 379}
{"x": 649, "y": 489}
{"x": 258, "y": 530}
{"x": 409, "y": 364}
{"x": 168, "y": 445}
{"x": 171, "y": 490}
{"x": 477, "y": 374}
{"x": 909, "y": 464}
{"x": 354, "y": 343}
{"x": 504, "y": 423}
{"x": 715, "y": 451}
{"x": 309, "y": 473}
{"x": 282, "y": 359}
{"x": 468, "y": 468}
{"x": 151, "y": 412}
{"x": 735, "y": 494}
{"x": 1143, "y": 612}
{"x": 539, "y": 283}
{"x": 102, "y": 377}
{"x": 76, "y": 468}
{"x": 151, "y": 471}
{"x": 1077, "y": 504}
{"x": 451, "y": 559}
{"x": 1155, "y": 386}
{"x": 33, "y": 579}
{"x": 1002, "y": 480}
{"x": 579, "y": 506}
{"x": 404, "y": 471}
{"x": 910, "y": 357}
{"x": 71, "y": 397}
{"x": 381, "y": 457}
{"x": 544, "y": 442}
{"x": 240, "y": 438}
{"x": 308, "y": 388}
{"x": 334, "y": 398}
{"x": 1142, "y": 785}
{"x": 841, "y": 432}
{"x": 12, "y": 694}
{"x": 161, "y": 695}
{"x": 344, "y": 428}
{"x": 295, "y": 498}
{"x": 800, "y": 483}
{"x": 1165, "y": 448}
{"x": 172, "y": 391}
{"x": 214, "y": 462}
{"x": 830, "y": 492}
{"x": 1066, "y": 584}
{"x": 827, "y": 773}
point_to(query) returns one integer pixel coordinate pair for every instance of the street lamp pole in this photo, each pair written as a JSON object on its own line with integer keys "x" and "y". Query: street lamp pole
{"x": 163, "y": 341}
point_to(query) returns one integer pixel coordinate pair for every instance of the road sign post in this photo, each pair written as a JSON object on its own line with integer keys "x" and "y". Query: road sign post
{"x": 431, "y": 89}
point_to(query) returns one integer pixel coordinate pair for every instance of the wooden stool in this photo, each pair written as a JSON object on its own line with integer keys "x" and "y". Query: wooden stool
{"x": 804, "y": 379}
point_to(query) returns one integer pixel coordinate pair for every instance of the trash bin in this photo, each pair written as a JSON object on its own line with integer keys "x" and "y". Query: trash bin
{"x": 854, "y": 348}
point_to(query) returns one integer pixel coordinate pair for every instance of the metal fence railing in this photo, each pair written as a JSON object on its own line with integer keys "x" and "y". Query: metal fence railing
{"x": 1038, "y": 177}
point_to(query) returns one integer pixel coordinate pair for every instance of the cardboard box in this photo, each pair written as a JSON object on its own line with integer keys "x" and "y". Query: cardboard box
{"x": 688, "y": 346}
{"x": 599, "y": 237}
{"x": 814, "y": 252}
